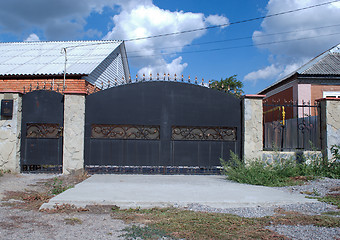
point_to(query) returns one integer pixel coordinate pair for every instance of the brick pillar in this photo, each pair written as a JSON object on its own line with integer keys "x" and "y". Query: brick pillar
{"x": 74, "y": 126}
{"x": 252, "y": 127}
{"x": 330, "y": 124}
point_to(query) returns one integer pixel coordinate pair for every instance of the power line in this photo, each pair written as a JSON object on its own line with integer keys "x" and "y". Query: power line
{"x": 211, "y": 27}
{"x": 240, "y": 38}
{"x": 236, "y": 47}
{"x": 232, "y": 23}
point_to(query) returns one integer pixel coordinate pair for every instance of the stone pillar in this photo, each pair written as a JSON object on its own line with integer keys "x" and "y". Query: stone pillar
{"x": 10, "y": 134}
{"x": 252, "y": 127}
{"x": 330, "y": 124}
{"x": 74, "y": 126}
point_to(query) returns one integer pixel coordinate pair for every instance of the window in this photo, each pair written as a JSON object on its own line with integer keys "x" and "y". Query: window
{"x": 331, "y": 94}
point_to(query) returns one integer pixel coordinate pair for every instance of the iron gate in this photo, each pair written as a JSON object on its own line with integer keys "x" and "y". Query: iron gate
{"x": 41, "y": 131}
{"x": 160, "y": 126}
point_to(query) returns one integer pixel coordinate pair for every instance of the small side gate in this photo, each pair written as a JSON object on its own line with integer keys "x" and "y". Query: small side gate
{"x": 41, "y": 131}
{"x": 160, "y": 126}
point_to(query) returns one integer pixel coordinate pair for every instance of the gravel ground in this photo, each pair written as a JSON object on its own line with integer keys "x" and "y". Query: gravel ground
{"x": 20, "y": 224}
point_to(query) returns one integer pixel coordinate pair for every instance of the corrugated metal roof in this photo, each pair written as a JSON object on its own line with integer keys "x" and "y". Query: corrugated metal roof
{"x": 47, "y": 58}
{"x": 327, "y": 63}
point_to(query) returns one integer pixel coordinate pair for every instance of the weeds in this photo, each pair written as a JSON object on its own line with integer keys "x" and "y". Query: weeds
{"x": 282, "y": 172}
{"x": 58, "y": 186}
{"x": 146, "y": 232}
{"x": 172, "y": 223}
{"x": 333, "y": 199}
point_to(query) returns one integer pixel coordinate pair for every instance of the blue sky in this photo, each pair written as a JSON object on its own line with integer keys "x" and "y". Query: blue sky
{"x": 255, "y": 62}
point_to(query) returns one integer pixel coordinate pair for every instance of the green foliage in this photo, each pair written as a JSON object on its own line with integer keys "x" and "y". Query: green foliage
{"x": 229, "y": 84}
{"x": 335, "y": 150}
{"x": 331, "y": 199}
{"x": 58, "y": 186}
{"x": 281, "y": 172}
{"x": 146, "y": 232}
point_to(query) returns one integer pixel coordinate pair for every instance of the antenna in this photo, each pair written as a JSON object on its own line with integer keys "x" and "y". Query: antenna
{"x": 64, "y": 51}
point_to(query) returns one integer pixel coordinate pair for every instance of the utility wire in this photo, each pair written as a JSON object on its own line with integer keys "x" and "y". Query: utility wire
{"x": 232, "y": 23}
{"x": 235, "y": 47}
{"x": 240, "y": 38}
{"x": 210, "y": 27}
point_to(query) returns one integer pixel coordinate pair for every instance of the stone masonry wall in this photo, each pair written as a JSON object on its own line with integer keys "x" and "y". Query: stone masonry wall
{"x": 10, "y": 133}
{"x": 74, "y": 122}
{"x": 330, "y": 124}
{"x": 252, "y": 127}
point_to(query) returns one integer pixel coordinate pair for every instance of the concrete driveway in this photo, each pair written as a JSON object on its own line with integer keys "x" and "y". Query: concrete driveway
{"x": 146, "y": 191}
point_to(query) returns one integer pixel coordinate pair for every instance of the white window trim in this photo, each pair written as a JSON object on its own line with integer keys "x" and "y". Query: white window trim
{"x": 331, "y": 94}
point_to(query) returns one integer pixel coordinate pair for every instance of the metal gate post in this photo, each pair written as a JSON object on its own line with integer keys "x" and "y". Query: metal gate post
{"x": 73, "y": 132}
{"x": 252, "y": 127}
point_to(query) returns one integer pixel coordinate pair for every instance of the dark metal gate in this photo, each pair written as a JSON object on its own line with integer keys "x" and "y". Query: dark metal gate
{"x": 165, "y": 127}
{"x": 41, "y": 131}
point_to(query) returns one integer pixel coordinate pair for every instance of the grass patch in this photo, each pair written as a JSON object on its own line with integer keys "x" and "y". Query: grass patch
{"x": 333, "y": 199}
{"x": 178, "y": 224}
{"x": 145, "y": 232}
{"x": 280, "y": 173}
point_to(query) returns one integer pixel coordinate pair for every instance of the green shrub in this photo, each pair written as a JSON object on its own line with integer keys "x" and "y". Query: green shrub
{"x": 280, "y": 172}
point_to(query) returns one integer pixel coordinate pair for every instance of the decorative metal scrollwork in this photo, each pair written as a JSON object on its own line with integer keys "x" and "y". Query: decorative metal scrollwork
{"x": 203, "y": 133}
{"x": 43, "y": 130}
{"x": 125, "y": 132}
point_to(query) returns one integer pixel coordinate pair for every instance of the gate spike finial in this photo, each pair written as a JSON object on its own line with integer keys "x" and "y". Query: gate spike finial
{"x": 136, "y": 78}
{"x": 143, "y": 76}
{"x": 164, "y": 76}
{"x": 102, "y": 85}
{"x": 189, "y": 79}
{"x": 130, "y": 79}
{"x": 196, "y": 80}
{"x": 123, "y": 79}
{"x": 115, "y": 81}
{"x": 108, "y": 84}
{"x": 175, "y": 77}
{"x": 37, "y": 85}
{"x": 30, "y": 87}
{"x": 209, "y": 83}
{"x": 44, "y": 85}
{"x": 150, "y": 76}
{"x": 202, "y": 81}
{"x": 157, "y": 76}
{"x": 168, "y": 76}
{"x": 182, "y": 78}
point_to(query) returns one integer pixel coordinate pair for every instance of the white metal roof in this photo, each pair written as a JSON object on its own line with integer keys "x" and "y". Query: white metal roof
{"x": 47, "y": 58}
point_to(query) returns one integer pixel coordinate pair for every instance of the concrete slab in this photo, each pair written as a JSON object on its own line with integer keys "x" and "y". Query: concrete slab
{"x": 147, "y": 191}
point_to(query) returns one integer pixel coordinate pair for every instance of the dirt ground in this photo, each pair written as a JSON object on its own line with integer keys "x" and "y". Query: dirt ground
{"x": 21, "y": 196}
{"x": 19, "y": 218}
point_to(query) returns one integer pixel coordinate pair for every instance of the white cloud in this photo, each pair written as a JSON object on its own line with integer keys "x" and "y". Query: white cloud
{"x": 289, "y": 54}
{"x": 268, "y": 72}
{"x": 58, "y": 20}
{"x": 149, "y": 20}
{"x": 217, "y": 20}
{"x": 66, "y": 20}
{"x": 32, "y": 38}
{"x": 175, "y": 67}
